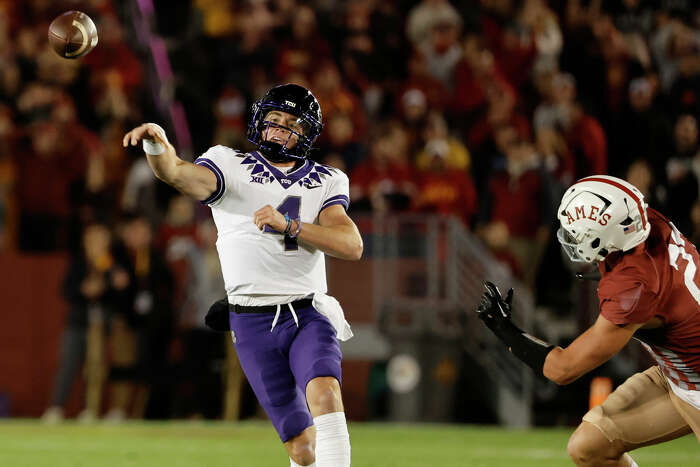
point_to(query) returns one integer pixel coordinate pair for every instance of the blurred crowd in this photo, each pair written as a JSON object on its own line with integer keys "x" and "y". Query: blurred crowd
{"x": 480, "y": 109}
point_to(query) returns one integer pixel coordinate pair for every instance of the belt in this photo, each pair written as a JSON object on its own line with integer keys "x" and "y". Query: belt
{"x": 297, "y": 304}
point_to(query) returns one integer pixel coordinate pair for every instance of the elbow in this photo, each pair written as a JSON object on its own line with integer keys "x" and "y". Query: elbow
{"x": 557, "y": 369}
{"x": 352, "y": 252}
{"x": 356, "y": 250}
{"x": 560, "y": 380}
{"x": 559, "y": 376}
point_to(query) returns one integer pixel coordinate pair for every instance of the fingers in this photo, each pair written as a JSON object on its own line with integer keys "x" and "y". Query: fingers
{"x": 262, "y": 216}
{"x": 134, "y": 136}
{"x": 492, "y": 290}
{"x": 156, "y": 134}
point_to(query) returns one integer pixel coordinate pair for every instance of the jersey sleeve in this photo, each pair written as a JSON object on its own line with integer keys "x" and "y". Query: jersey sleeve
{"x": 626, "y": 299}
{"x": 217, "y": 159}
{"x": 338, "y": 191}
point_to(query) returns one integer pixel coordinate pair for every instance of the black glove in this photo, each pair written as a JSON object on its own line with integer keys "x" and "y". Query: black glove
{"x": 494, "y": 311}
{"x": 217, "y": 318}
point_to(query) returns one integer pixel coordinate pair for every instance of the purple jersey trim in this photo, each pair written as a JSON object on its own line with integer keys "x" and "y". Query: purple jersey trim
{"x": 220, "y": 181}
{"x": 337, "y": 199}
{"x": 293, "y": 176}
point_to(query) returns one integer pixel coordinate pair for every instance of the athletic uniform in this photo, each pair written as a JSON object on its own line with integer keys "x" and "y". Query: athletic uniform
{"x": 281, "y": 326}
{"x": 658, "y": 278}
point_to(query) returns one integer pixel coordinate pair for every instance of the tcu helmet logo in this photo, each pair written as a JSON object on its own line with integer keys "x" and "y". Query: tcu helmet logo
{"x": 290, "y": 103}
{"x": 586, "y": 212}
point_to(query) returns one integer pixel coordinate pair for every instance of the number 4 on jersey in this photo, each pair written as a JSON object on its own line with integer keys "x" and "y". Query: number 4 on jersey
{"x": 291, "y": 206}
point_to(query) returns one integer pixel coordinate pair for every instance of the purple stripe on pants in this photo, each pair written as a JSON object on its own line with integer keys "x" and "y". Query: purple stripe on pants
{"x": 279, "y": 364}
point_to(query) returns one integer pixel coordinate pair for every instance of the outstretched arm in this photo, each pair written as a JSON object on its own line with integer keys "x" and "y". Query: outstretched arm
{"x": 193, "y": 180}
{"x": 563, "y": 366}
{"x": 336, "y": 234}
{"x": 588, "y": 351}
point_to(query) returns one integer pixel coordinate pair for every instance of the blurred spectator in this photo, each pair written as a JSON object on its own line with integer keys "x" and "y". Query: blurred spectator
{"x": 385, "y": 182}
{"x": 230, "y": 109}
{"x": 641, "y": 174}
{"x": 584, "y": 134}
{"x": 642, "y": 130}
{"x": 51, "y": 170}
{"x": 335, "y": 98}
{"x": 683, "y": 172}
{"x": 153, "y": 319}
{"x": 303, "y": 48}
{"x": 218, "y": 17}
{"x": 176, "y": 235}
{"x": 517, "y": 196}
{"x": 436, "y": 132}
{"x": 632, "y": 16}
{"x": 501, "y": 110}
{"x": 199, "y": 376}
{"x": 556, "y": 157}
{"x": 509, "y": 34}
{"x": 443, "y": 189}
{"x": 586, "y": 139}
{"x": 420, "y": 85}
{"x": 442, "y": 50}
{"x": 675, "y": 48}
{"x": 342, "y": 140}
{"x": 472, "y": 74}
{"x": 542, "y": 22}
{"x": 426, "y": 15}
{"x": 419, "y": 79}
{"x": 98, "y": 288}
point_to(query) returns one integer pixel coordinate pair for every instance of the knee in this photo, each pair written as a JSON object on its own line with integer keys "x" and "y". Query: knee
{"x": 588, "y": 447}
{"x": 324, "y": 397}
{"x": 301, "y": 452}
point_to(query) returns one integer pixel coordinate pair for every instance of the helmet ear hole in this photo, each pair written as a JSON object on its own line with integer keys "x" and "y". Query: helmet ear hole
{"x": 627, "y": 221}
{"x": 595, "y": 243}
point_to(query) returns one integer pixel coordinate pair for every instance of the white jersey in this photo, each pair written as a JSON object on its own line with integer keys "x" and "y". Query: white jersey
{"x": 265, "y": 267}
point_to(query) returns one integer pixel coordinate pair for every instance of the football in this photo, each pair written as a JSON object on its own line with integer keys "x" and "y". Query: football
{"x": 72, "y": 34}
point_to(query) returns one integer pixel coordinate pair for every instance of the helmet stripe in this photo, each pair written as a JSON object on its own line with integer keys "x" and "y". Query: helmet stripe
{"x": 623, "y": 188}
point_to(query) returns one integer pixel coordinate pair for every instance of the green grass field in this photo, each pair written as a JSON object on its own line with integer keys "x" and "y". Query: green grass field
{"x": 28, "y": 443}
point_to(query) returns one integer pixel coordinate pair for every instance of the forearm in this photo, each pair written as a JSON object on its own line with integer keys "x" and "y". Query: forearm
{"x": 165, "y": 166}
{"x": 190, "y": 179}
{"x": 193, "y": 180}
{"x": 340, "y": 241}
{"x": 566, "y": 365}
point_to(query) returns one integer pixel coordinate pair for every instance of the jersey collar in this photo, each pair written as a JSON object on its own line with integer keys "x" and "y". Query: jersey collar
{"x": 285, "y": 179}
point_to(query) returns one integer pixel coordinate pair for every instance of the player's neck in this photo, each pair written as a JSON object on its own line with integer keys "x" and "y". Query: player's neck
{"x": 283, "y": 165}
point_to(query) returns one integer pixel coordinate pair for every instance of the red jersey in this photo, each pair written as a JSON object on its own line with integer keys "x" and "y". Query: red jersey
{"x": 658, "y": 279}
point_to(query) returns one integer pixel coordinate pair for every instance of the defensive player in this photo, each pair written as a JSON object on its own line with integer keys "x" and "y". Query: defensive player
{"x": 649, "y": 291}
{"x": 277, "y": 213}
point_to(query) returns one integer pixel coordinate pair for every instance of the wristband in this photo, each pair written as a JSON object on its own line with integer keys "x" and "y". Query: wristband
{"x": 153, "y": 147}
{"x": 289, "y": 224}
{"x": 297, "y": 230}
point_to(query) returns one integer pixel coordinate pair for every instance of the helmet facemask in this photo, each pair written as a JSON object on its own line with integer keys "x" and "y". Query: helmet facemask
{"x": 582, "y": 248}
{"x": 293, "y": 100}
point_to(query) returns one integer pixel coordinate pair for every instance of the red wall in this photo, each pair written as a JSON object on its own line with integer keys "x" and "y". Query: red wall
{"x": 31, "y": 322}
{"x": 32, "y": 319}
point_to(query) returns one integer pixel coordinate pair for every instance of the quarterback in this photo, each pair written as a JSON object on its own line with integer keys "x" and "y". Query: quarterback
{"x": 277, "y": 213}
{"x": 648, "y": 290}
